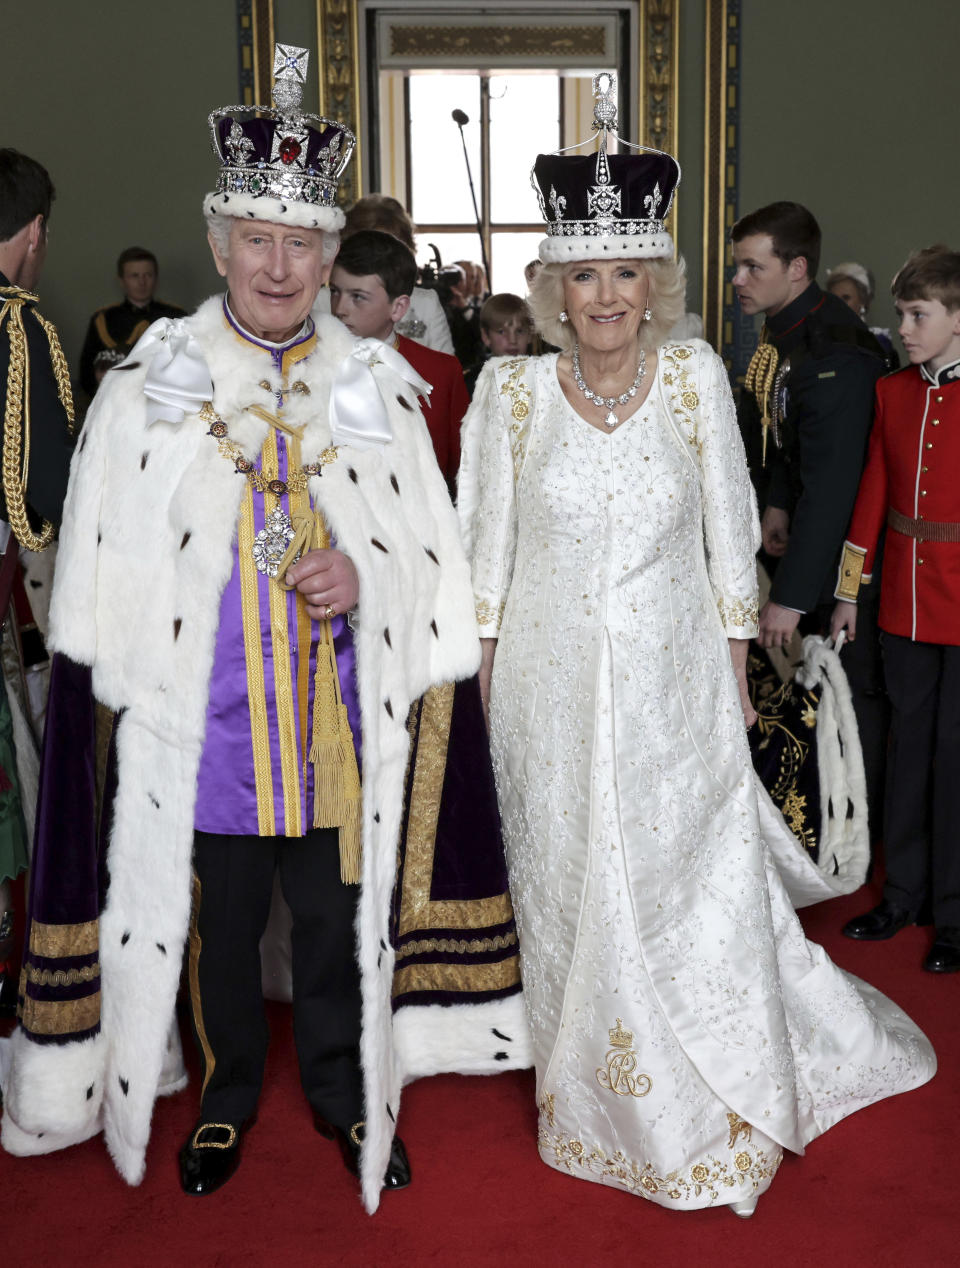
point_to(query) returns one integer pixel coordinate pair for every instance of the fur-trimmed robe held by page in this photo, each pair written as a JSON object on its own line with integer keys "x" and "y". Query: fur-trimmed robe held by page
{"x": 145, "y": 552}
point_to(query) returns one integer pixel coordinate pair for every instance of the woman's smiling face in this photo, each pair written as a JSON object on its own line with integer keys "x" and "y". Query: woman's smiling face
{"x": 605, "y": 301}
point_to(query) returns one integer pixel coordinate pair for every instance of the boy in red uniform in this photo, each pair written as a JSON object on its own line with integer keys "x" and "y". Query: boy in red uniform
{"x": 370, "y": 287}
{"x": 910, "y": 483}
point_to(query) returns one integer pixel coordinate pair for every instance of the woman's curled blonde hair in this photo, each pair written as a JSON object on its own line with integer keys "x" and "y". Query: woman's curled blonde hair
{"x": 668, "y": 288}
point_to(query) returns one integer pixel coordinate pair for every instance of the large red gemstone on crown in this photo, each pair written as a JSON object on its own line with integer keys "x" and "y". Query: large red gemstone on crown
{"x": 289, "y": 150}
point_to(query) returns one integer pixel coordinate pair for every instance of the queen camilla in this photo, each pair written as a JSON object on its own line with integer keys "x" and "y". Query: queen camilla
{"x": 685, "y": 1032}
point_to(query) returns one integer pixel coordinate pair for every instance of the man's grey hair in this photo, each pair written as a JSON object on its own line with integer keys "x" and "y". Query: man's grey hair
{"x": 218, "y": 227}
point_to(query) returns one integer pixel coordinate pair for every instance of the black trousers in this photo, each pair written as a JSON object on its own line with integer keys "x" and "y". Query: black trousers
{"x": 233, "y": 888}
{"x": 922, "y": 829}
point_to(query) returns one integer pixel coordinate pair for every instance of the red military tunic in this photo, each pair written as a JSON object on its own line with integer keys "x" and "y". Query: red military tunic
{"x": 913, "y": 468}
{"x": 448, "y": 401}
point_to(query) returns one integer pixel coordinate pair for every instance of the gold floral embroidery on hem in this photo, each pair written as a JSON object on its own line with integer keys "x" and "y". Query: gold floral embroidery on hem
{"x": 621, "y": 1061}
{"x": 739, "y": 612}
{"x": 713, "y": 1177}
{"x": 548, "y": 1107}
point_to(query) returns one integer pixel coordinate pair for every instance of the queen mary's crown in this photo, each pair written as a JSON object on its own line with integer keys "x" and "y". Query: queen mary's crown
{"x": 277, "y": 163}
{"x": 605, "y": 206}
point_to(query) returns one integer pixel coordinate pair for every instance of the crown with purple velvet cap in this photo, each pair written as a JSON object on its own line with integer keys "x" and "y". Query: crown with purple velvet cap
{"x": 277, "y": 163}
{"x": 605, "y": 206}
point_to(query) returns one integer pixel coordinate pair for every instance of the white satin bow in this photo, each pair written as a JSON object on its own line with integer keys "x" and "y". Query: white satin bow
{"x": 178, "y": 381}
{"x": 358, "y": 416}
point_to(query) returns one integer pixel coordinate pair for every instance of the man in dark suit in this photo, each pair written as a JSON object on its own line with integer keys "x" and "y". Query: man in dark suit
{"x": 805, "y": 415}
{"x": 117, "y": 327}
{"x": 370, "y": 287}
{"x": 36, "y": 426}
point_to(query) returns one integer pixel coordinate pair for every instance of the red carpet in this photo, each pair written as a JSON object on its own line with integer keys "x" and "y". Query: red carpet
{"x": 877, "y": 1190}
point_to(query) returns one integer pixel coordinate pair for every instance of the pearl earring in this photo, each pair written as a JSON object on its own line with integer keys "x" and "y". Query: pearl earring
{"x": 563, "y": 315}
{"x": 647, "y": 314}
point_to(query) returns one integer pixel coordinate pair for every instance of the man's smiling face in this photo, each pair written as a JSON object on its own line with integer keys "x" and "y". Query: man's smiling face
{"x": 273, "y": 273}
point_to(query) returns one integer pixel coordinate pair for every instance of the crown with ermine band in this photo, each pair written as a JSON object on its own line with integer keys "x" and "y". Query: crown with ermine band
{"x": 605, "y": 205}
{"x": 279, "y": 163}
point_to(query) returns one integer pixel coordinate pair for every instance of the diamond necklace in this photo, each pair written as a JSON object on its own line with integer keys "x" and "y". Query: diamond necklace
{"x": 608, "y": 402}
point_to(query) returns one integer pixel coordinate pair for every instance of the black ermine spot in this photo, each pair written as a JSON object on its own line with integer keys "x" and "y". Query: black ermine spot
{"x": 376, "y": 816}
{"x": 431, "y": 555}
{"x": 90, "y": 1092}
{"x": 500, "y": 1056}
{"x": 178, "y": 621}
{"x": 125, "y": 939}
{"x": 125, "y": 1086}
{"x": 383, "y": 944}
{"x": 379, "y": 545}
{"x": 143, "y": 460}
{"x": 161, "y": 948}
{"x": 404, "y": 402}
{"x": 501, "y": 1035}
{"x": 153, "y": 801}
{"x": 436, "y": 632}
{"x": 393, "y": 481}
{"x": 353, "y": 475}
{"x": 386, "y": 637}
{"x": 185, "y": 539}
{"x": 389, "y": 707}
{"x": 35, "y": 584}
{"x": 391, "y": 1113}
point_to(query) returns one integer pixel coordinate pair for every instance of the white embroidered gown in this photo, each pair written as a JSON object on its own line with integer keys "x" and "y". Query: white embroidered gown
{"x": 685, "y": 1032}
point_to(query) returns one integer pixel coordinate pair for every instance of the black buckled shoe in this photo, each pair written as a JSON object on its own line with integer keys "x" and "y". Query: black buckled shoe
{"x": 210, "y": 1157}
{"x": 879, "y": 924}
{"x": 944, "y": 955}
{"x": 398, "y": 1168}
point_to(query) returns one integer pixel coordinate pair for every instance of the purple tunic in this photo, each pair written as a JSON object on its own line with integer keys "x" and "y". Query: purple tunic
{"x": 255, "y": 776}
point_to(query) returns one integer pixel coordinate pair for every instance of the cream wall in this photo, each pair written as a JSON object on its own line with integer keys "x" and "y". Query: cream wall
{"x": 851, "y": 107}
{"x": 112, "y": 97}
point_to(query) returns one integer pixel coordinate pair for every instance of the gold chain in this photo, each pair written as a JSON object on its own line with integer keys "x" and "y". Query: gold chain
{"x": 16, "y": 423}
{"x": 61, "y": 371}
{"x": 297, "y": 480}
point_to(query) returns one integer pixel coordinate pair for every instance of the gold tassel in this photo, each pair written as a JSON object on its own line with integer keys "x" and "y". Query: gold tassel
{"x": 759, "y": 379}
{"x": 336, "y": 776}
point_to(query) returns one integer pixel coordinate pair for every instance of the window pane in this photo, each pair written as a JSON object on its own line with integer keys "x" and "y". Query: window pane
{"x": 511, "y": 252}
{"x": 524, "y": 122}
{"x": 438, "y": 173}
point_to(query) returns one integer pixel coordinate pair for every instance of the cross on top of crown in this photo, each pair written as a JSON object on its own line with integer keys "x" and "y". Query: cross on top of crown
{"x": 289, "y": 75}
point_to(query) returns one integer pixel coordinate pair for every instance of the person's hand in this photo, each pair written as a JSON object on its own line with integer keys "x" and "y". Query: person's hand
{"x": 739, "y": 648}
{"x": 844, "y": 618}
{"x": 777, "y": 625}
{"x": 775, "y": 531}
{"x": 328, "y": 582}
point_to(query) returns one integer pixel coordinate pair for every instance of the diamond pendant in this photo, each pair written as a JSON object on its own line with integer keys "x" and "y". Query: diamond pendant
{"x": 270, "y": 544}
{"x": 610, "y": 420}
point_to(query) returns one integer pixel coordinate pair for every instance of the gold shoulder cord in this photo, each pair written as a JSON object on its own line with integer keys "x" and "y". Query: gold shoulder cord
{"x": 759, "y": 379}
{"x": 16, "y": 416}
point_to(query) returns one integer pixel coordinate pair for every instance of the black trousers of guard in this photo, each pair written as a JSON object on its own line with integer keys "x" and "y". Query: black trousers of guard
{"x": 922, "y": 830}
{"x": 235, "y": 875}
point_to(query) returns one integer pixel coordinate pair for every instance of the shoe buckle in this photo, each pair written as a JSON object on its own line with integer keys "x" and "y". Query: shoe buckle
{"x": 197, "y": 1143}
